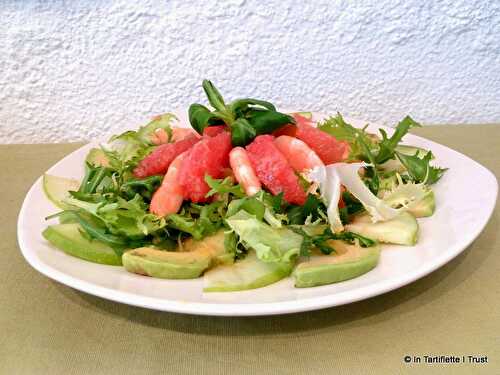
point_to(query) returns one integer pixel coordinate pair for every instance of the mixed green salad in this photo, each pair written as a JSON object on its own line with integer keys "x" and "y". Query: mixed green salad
{"x": 246, "y": 197}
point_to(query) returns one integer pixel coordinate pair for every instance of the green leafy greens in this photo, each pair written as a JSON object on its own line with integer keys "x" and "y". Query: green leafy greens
{"x": 378, "y": 150}
{"x": 245, "y": 118}
{"x": 419, "y": 169}
{"x": 318, "y": 237}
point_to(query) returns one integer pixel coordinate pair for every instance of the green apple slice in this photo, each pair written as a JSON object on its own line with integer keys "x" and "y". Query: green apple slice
{"x": 56, "y": 189}
{"x": 248, "y": 273}
{"x": 68, "y": 238}
{"x": 97, "y": 158}
{"x": 402, "y": 230}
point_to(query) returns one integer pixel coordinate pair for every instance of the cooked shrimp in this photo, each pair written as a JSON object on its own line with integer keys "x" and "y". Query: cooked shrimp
{"x": 159, "y": 136}
{"x": 181, "y": 133}
{"x": 243, "y": 171}
{"x": 169, "y": 196}
{"x": 297, "y": 153}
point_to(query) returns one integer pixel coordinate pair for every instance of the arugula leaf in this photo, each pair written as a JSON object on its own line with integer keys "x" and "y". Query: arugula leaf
{"x": 274, "y": 202}
{"x": 145, "y": 187}
{"x": 351, "y": 206}
{"x": 225, "y": 186}
{"x": 310, "y": 241}
{"x": 320, "y": 240}
{"x": 198, "y": 220}
{"x": 419, "y": 169}
{"x": 307, "y": 242}
{"x": 364, "y": 147}
{"x": 299, "y": 214}
{"x": 186, "y": 224}
{"x": 387, "y": 146}
{"x": 93, "y": 229}
{"x": 350, "y": 237}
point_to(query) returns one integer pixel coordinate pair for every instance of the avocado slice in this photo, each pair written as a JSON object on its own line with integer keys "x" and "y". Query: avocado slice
{"x": 248, "y": 273}
{"x": 424, "y": 207}
{"x": 189, "y": 262}
{"x": 402, "y": 230}
{"x": 69, "y": 238}
{"x": 348, "y": 261}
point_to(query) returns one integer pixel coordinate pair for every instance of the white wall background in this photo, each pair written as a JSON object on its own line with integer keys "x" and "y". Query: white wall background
{"x": 75, "y": 70}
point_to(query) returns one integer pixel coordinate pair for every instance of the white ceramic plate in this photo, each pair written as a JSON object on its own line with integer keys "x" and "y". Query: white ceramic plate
{"x": 465, "y": 197}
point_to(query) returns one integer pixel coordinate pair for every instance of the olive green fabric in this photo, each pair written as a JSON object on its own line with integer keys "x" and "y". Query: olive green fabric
{"x": 48, "y": 328}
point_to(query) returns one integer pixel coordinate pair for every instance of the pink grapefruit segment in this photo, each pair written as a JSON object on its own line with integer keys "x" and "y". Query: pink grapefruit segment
{"x": 329, "y": 149}
{"x": 212, "y": 131}
{"x": 159, "y": 160}
{"x": 273, "y": 170}
{"x": 210, "y": 157}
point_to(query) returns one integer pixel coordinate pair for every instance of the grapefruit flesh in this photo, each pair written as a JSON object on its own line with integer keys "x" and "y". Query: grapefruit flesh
{"x": 273, "y": 170}
{"x": 329, "y": 149}
{"x": 159, "y": 160}
{"x": 212, "y": 131}
{"x": 210, "y": 157}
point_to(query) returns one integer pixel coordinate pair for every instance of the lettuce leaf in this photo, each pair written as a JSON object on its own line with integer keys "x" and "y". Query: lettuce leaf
{"x": 270, "y": 244}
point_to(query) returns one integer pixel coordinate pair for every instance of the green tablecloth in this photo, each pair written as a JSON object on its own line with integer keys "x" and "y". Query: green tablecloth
{"x": 48, "y": 328}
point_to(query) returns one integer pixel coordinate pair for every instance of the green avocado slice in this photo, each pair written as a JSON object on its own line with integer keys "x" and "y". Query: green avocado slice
{"x": 348, "y": 262}
{"x": 188, "y": 262}
{"x": 425, "y": 207}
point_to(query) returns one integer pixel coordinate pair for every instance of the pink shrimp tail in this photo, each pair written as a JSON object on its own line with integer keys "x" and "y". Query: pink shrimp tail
{"x": 169, "y": 196}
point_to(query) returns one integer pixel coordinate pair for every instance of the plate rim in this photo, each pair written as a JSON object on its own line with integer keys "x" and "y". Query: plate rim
{"x": 254, "y": 309}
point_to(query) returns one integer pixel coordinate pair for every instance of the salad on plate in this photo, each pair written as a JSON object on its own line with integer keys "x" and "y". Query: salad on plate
{"x": 245, "y": 197}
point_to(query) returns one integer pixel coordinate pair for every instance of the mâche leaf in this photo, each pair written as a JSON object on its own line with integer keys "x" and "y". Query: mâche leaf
{"x": 200, "y": 117}
{"x": 245, "y": 118}
{"x": 267, "y": 121}
{"x": 242, "y": 132}
{"x": 214, "y": 97}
